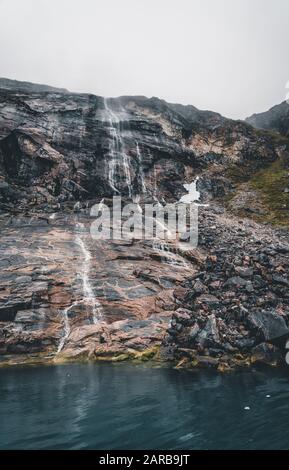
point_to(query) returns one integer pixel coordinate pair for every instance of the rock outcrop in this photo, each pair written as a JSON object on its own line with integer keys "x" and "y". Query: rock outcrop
{"x": 59, "y": 146}
{"x": 275, "y": 119}
{"x": 238, "y": 300}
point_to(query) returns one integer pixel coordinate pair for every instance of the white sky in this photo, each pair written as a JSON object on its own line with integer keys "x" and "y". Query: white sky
{"x": 230, "y": 56}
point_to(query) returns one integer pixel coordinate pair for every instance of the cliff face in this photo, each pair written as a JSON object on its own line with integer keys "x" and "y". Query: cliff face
{"x": 272, "y": 183}
{"x": 275, "y": 119}
{"x": 65, "y": 295}
{"x": 58, "y": 147}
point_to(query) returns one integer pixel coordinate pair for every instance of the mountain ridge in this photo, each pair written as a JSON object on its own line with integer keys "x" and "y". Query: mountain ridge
{"x": 12, "y": 84}
{"x": 275, "y": 119}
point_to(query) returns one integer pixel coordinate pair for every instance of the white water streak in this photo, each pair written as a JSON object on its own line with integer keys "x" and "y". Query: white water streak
{"x": 141, "y": 173}
{"x": 89, "y": 297}
{"x": 66, "y": 328}
{"x": 167, "y": 256}
{"x": 118, "y": 158}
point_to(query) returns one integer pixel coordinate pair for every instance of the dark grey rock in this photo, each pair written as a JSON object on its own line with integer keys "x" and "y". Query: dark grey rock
{"x": 271, "y": 325}
{"x": 236, "y": 281}
{"x": 280, "y": 279}
{"x": 244, "y": 272}
{"x": 209, "y": 335}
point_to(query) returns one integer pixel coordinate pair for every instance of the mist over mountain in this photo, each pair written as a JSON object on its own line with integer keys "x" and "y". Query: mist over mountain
{"x": 275, "y": 119}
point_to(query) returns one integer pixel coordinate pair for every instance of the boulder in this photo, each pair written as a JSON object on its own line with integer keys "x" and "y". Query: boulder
{"x": 244, "y": 271}
{"x": 271, "y": 325}
{"x": 208, "y": 299}
{"x": 236, "y": 281}
{"x": 209, "y": 335}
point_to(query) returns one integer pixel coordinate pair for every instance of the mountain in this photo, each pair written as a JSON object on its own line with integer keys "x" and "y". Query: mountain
{"x": 59, "y": 147}
{"x": 275, "y": 119}
{"x": 6, "y": 83}
{"x": 65, "y": 295}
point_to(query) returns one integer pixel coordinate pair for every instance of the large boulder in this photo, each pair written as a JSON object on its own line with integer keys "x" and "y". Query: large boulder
{"x": 209, "y": 335}
{"x": 269, "y": 324}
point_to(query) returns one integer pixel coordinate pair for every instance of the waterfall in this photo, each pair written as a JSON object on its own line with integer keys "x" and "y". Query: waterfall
{"x": 86, "y": 286}
{"x": 87, "y": 291}
{"x": 140, "y": 167}
{"x": 118, "y": 160}
{"x": 167, "y": 256}
{"x": 162, "y": 247}
{"x": 66, "y": 328}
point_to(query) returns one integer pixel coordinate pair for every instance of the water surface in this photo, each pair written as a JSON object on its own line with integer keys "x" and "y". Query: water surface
{"x": 103, "y": 406}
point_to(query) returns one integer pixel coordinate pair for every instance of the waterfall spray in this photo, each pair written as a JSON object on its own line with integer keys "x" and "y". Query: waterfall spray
{"x": 86, "y": 286}
{"x": 119, "y": 160}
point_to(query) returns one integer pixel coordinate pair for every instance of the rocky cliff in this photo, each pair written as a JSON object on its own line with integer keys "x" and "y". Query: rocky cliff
{"x": 275, "y": 119}
{"x": 64, "y": 295}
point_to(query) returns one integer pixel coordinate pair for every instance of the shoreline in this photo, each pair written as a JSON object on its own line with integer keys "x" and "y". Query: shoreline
{"x": 151, "y": 357}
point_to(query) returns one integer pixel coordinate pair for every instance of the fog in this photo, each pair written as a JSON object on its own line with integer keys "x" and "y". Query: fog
{"x": 229, "y": 56}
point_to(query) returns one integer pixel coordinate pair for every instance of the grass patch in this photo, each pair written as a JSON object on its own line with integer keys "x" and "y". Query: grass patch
{"x": 271, "y": 183}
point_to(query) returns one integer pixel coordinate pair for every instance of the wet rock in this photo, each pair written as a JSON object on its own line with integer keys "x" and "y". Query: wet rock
{"x": 206, "y": 361}
{"x": 208, "y": 299}
{"x": 9, "y": 309}
{"x": 269, "y": 324}
{"x": 32, "y": 320}
{"x": 139, "y": 292}
{"x": 236, "y": 281}
{"x": 181, "y": 293}
{"x": 209, "y": 335}
{"x": 280, "y": 280}
{"x": 193, "y": 332}
{"x": 244, "y": 272}
{"x": 266, "y": 353}
{"x": 182, "y": 315}
{"x": 23, "y": 280}
{"x": 249, "y": 286}
{"x": 199, "y": 287}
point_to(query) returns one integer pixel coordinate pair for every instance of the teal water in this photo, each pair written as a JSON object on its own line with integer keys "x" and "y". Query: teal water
{"x": 91, "y": 406}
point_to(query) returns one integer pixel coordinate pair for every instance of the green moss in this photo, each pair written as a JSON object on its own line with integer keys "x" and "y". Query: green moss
{"x": 194, "y": 362}
{"x": 120, "y": 358}
{"x": 148, "y": 354}
{"x": 112, "y": 357}
{"x": 239, "y": 173}
{"x": 224, "y": 367}
{"x": 271, "y": 183}
{"x": 273, "y": 135}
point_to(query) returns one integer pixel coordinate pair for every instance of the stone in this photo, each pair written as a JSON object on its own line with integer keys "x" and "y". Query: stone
{"x": 199, "y": 287}
{"x": 208, "y": 299}
{"x": 209, "y": 335}
{"x": 193, "y": 333}
{"x": 23, "y": 280}
{"x": 182, "y": 315}
{"x": 271, "y": 325}
{"x": 244, "y": 271}
{"x": 280, "y": 280}
{"x": 236, "y": 281}
{"x": 266, "y": 353}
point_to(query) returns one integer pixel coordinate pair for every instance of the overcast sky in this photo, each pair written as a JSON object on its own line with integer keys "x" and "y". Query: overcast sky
{"x": 230, "y": 56}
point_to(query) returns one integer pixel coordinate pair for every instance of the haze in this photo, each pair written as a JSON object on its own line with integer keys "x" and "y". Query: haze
{"x": 223, "y": 55}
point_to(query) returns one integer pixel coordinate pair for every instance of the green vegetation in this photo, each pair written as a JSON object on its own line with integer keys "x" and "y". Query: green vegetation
{"x": 274, "y": 135}
{"x": 271, "y": 183}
